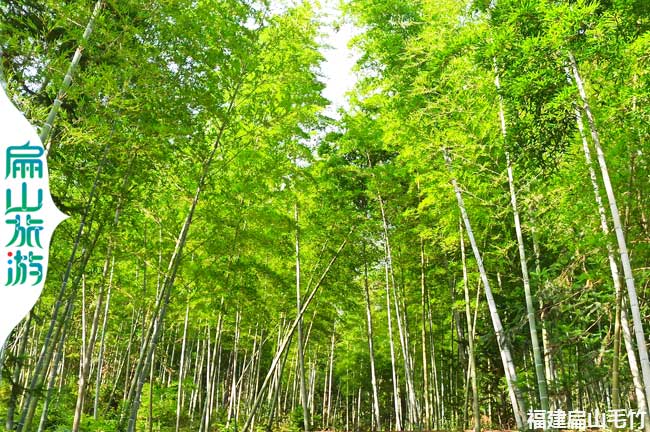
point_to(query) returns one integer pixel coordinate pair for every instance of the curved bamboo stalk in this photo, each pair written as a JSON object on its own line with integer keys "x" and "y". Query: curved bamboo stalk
{"x": 67, "y": 80}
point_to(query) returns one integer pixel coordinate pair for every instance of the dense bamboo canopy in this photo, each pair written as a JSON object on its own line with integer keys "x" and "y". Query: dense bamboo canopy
{"x": 466, "y": 244}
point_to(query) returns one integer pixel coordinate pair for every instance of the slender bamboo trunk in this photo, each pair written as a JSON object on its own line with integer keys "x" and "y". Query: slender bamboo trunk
{"x": 292, "y": 386}
{"x": 327, "y": 412}
{"x": 549, "y": 366}
{"x": 279, "y": 403}
{"x": 516, "y": 399}
{"x": 233, "y": 387}
{"x": 140, "y": 371}
{"x": 371, "y": 351}
{"x": 216, "y": 361}
{"x": 301, "y": 356}
{"x": 274, "y": 396}
{"x": 151, "y": 384}
{"x": 424, "y": 298}
{"x": 258, "y": 370}
{"x": 397, "y": 404}
{"x": 616, "y": 353}
{"x": 530, "y": 308}
{"x": 196, "y": 378}
{"x": 358, "y": 422}
{"x": 203, "y": 420}
{"x": 470, "y": 338}
{"x": 347, "y": 395}
{"x": 208, "y": 369}
{"x": 241, "y": 383}
{"x": 218, "y": 387}
{"x": 102, "y": 346}
{"x": 436, "y": 402}
{"x": 412, "y": 405}
{"x": 312, "y": 385}
{"x": 181, "y": 369}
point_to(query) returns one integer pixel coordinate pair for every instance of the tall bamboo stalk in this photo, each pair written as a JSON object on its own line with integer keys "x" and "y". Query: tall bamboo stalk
{"x": 371, "y": 351}
{"x": 618, "y": 229}
{"x": 616, "y": 279}
{"x": 102, "y": 347}
{"x": 530, "y": 308}
{"x": 516, "y": 399}
{"x": 301, "y": 355}
{"x": 181, "y": 369}
{"x": 67, "y": 80}
{"x": 470, "y": 338}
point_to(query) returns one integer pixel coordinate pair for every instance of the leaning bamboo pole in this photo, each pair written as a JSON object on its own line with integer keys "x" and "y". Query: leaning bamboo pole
{"x": 516, "y": 398}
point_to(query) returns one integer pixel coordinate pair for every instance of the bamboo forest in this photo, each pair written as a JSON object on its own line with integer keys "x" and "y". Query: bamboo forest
{"x": 461, "y": 242}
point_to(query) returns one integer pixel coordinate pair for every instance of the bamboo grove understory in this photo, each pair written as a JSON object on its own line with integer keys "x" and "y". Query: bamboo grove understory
{"x": 463, "y": 245}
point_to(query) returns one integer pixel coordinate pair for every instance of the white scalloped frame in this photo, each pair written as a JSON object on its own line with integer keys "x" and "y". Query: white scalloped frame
{"x": 23, "y": 173}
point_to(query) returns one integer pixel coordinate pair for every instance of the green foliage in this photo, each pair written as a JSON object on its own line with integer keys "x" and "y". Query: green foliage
{"x": 163, "y": 84}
